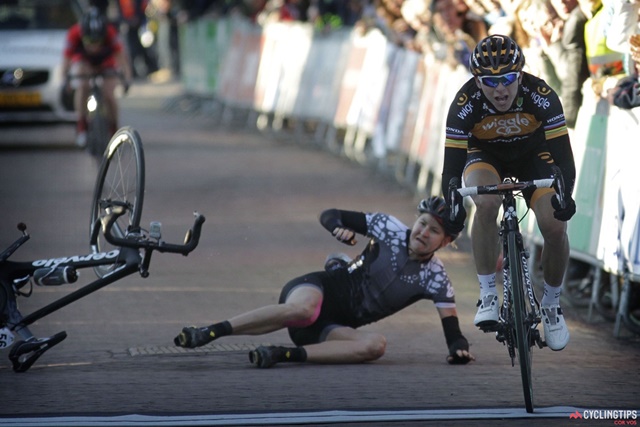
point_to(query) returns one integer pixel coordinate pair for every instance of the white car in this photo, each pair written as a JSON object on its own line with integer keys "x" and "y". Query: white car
{"x": 32, "y": 39}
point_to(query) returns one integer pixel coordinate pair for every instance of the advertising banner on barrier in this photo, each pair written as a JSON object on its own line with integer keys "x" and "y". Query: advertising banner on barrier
{"x": 319, "y": 84}
{"x": 238, "y": 73}
{"x": 348, "y": 85}
{"x": 589, "y": 148}
{"x": 618, "y": 233}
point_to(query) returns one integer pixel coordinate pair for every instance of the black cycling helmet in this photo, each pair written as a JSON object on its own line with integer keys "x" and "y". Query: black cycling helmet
{"x": 496, "y": 54}
{"x": 93, "y": 25}
{"x": 437, "y": 207}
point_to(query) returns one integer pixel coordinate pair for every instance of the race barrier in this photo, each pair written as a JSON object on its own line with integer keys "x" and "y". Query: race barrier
{"x": 382, "y": 105}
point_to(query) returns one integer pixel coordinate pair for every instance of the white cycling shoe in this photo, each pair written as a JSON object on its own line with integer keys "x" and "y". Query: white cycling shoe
{"x": 488, "y": 308}
{"x": 556, "y": 333}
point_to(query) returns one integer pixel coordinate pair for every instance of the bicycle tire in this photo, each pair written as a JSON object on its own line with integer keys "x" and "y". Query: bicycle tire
{"x": 520, "y": 314}
{"x": 98, "y": 132}
{"x": 121, "y": 178}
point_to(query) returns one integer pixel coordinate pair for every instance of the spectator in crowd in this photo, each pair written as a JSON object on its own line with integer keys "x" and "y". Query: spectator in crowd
{"x": 458, "y": 30}
{"x": 569, "y": 56}
{"x": 133, "y": 18}
{"x": 603, "y": 62}
{"x": 622, "y": 25}
{"x": 167, "y": 14}
{"x": 535, "y": 27}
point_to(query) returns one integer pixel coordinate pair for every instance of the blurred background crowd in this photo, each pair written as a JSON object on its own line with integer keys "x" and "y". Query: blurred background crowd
{"x": 566, "y": 42}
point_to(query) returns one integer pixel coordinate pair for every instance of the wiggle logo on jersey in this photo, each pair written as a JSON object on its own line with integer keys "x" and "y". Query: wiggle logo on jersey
{"x": 465, "y": 111}
{"x": 540, "y": 98}
{"x": 492, "y": 127}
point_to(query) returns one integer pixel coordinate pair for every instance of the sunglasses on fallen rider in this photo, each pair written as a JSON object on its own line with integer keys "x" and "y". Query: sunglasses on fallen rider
{"x": 505, "y": 79}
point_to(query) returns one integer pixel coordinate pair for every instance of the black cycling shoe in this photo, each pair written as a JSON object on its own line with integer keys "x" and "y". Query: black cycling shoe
{"x": 25, "y": 353}
{"x": 192, "y": 337}
{"x": 264, "y": 357}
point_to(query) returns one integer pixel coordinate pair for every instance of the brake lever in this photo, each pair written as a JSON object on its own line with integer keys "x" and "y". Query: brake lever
{"x": 454, "y": 183}
{"x": 558, "y": 185}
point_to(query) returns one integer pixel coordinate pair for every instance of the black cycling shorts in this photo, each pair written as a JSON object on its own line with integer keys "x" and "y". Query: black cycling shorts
{"x": 329, "y": 317}
{"x": 535, "y": 165}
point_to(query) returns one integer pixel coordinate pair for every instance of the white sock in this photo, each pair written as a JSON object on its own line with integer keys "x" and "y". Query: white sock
{"x": 551, "y": 295}
{"x": 487, "y": 284}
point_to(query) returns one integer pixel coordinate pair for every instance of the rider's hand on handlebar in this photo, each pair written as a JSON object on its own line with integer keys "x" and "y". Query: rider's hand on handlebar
{"x": 563, "y": 214}
{"x": 457, "y": 215}
{"x": 345, "y": 235}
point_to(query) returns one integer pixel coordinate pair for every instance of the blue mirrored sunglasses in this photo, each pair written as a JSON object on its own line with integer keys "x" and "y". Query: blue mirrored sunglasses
{"x": 505, "y": 79}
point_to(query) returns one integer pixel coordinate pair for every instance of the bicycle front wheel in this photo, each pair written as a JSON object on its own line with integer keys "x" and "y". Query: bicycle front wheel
{"x": 98, "y": 130}
{"x": 120, "y": 179}
{"x": 521, "y": 315}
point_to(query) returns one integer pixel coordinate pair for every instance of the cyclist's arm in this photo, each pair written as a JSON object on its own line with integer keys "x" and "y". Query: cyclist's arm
{"x": 560, "y": 149}
{"x": 336, "y": 218}
{"x": 456, "y": 138}
{"x": 454, "y": 160}
{"x": 122, "y": 61}
{"x": 457, "y": 344}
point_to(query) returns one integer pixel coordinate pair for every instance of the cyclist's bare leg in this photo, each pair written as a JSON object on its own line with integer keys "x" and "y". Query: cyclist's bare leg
{"x": 484, "y": 232}
{"x": 300, "y": 309}
{"x": 81, "y": 90}
{"x": 347, "y": 345}
{"x": 554, "y": 261}
{"x": 555, "y": 251}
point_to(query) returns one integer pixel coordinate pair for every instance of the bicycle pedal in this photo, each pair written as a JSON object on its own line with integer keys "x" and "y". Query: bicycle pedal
{"x": 489, "y": 327}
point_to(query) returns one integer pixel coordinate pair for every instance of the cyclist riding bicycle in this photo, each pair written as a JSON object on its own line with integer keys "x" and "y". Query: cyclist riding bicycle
{"x": 507, "y": 122}
{"x": 92, "y": 46}
{"x": 322, "y": 310}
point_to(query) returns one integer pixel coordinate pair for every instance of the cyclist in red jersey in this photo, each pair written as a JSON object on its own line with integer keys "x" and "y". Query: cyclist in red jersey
{"x": 507, "y": 122}
{"x": 94, "y": 45}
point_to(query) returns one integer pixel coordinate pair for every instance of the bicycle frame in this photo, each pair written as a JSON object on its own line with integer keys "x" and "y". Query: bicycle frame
{"x": 127, "y": 257}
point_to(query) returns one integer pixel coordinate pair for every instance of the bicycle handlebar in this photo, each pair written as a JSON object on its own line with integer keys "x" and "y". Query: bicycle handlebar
{"x": 506, "y": 187}
{"x": 192, "y": 237}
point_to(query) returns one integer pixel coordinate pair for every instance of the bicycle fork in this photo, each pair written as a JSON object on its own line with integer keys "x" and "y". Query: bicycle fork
{"x": 505, "y": 332}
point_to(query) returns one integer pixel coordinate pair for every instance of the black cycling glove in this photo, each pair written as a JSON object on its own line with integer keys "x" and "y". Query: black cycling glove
{"x": 459, "y": 344}
{"x": 563, "y": 214}
{"x": 456, "y": 215}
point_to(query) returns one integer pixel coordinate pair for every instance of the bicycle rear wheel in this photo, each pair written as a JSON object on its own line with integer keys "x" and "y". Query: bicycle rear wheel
{"x": 120, "y": 179}
{"x": 521, "y": 310}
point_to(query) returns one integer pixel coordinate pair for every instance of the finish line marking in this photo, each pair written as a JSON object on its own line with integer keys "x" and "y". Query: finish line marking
{"x": 284, "y": 418}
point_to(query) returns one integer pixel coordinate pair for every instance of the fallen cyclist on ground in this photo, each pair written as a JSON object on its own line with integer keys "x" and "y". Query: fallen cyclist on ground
{"x": 322, "y": 310}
